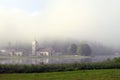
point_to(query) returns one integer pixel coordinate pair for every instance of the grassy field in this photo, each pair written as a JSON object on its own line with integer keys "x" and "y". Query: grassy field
{"x": 110, "y": 74}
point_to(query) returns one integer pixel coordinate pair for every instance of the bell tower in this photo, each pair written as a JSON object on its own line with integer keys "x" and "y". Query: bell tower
{"x": 34, "y": 47}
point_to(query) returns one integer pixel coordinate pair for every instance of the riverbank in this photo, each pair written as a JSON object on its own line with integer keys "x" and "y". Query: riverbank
{"x": 109, "y": 74}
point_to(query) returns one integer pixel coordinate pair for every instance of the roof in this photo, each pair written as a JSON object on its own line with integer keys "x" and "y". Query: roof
{"x": 45, "y": 49}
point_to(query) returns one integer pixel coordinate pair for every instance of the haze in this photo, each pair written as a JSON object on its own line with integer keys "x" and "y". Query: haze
{"x": 94, "y": 20}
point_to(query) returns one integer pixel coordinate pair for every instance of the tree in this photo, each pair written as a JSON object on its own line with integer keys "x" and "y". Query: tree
{"x": 73, "y": 49}
{"x": 84, "y": 49}
{"x": 79, "y": 50}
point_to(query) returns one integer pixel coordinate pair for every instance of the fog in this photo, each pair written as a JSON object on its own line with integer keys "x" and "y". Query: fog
{"x": 91, "y": 20}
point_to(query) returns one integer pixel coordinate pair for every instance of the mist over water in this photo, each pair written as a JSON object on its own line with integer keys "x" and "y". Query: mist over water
{"x": 56, "y": 60}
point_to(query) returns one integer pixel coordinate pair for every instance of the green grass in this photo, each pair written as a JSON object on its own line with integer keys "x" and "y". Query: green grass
{"x": 110, "y": 74}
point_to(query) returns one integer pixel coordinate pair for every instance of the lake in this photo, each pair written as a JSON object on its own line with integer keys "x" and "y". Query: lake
{"x": 54, "y": 60}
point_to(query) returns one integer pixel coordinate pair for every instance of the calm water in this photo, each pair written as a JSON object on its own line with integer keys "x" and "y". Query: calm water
{"x": 55, "y": 60}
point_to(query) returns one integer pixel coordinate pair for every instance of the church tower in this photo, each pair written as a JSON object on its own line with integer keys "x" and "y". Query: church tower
{"x": 34, "y": 47}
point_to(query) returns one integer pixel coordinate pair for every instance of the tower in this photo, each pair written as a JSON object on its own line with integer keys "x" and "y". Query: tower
{"x": 34, "y": 47}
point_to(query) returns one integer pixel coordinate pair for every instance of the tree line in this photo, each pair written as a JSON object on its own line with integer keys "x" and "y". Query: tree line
{"x": 81, "y": 49}
{"x": 69, "y": 47}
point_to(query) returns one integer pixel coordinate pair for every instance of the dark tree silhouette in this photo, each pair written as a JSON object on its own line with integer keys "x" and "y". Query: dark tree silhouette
{"x": 73, "y": 49}
{"x": 85, "y": 50}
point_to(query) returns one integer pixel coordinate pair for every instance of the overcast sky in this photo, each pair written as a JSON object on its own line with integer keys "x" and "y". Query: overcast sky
{"x": 97, "y": 20}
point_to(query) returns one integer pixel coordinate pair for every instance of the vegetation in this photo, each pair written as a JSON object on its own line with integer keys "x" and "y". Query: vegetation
{"x": 80, "y": 49}
{"x": 109, "y": 64}
{"x": 85, "y": 50}
{"x": 73, "y": 49}
{"x": 62, "y": 46}
{"x": 110, "y": 74}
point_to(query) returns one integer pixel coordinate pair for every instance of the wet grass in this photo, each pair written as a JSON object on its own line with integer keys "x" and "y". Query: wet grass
{"x": 108, "y": 74}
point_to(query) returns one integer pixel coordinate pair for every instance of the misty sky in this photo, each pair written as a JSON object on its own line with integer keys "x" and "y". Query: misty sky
{"x": 97, "y": 20}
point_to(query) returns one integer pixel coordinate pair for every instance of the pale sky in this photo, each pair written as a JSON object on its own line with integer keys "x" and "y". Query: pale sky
{"x": 97, "y": 20}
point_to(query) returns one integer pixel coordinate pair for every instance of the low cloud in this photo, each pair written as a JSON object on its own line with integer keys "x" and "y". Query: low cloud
{"x": 78, "y": 19}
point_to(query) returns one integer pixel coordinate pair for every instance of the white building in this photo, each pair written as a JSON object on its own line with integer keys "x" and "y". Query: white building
{"x": 16, "y": 53}
{"x": 45, "y": 52}
{"x": 41, "y": 51}
{"x": 34, "y": 47}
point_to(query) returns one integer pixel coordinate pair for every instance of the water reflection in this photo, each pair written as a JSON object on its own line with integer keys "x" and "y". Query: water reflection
{"x": 54, "y": 60}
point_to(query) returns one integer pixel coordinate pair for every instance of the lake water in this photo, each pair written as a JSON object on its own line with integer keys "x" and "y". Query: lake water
{"x": 54, "y": 60}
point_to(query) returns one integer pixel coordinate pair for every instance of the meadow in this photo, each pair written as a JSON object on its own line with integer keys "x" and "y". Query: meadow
{"x": 104, "y": 74}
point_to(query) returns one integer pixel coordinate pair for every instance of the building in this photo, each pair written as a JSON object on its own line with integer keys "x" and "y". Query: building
{"x": 4, "y": 52}
{"x": 41, "y": 51}
{"x": 34, "y": 47}
{"x": 45, "y": 52}
{"x": 16, "y": 53}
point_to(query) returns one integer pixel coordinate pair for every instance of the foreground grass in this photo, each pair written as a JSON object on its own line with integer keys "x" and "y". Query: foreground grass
{"x": 110, "y": 74}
